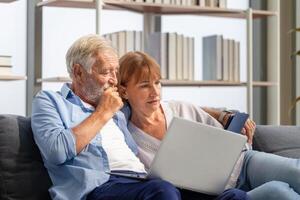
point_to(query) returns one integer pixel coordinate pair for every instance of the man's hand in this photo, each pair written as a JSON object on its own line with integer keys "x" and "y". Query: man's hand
{"x": 249, "y": 129}
{"x": 110, "y": 101}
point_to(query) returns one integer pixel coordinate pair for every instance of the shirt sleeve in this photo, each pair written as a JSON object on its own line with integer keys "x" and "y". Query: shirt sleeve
{"x": 55, "y": 141}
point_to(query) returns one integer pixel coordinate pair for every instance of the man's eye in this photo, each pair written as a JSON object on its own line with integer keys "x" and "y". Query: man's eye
{"x": 105, "y": 72}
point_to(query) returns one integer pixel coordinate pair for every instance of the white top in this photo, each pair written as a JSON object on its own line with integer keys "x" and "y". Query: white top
{"x": 120, "y": 156}
{"x": 148, "y": 145}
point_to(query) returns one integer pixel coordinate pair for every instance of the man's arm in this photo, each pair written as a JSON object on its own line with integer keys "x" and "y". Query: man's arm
{"x": 57, "y": 143}
{"x": 109, "y": 103}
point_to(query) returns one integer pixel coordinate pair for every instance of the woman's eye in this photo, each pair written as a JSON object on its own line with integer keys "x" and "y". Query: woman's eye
{"x": 144, "y": 86}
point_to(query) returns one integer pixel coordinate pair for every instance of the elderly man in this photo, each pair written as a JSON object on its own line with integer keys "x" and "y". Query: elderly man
{"x": 82, "y": 135}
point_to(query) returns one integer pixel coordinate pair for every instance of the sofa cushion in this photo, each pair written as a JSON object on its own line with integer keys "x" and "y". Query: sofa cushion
{"x": 22, "y": 173}
{"x": 280, "y": 140}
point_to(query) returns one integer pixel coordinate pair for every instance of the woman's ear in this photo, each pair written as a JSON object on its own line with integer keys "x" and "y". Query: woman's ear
{"x": 123, "y": 92}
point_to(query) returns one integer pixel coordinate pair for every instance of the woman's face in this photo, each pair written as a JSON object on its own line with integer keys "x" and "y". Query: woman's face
{"x": 144, "y": 95}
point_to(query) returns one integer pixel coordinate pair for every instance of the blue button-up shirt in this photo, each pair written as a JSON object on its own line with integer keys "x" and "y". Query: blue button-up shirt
{"x": 73, "y": 175}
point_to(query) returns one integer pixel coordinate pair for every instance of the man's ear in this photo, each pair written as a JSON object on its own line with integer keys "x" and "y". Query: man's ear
{"x": 77, "y": 72}
{"x": 123, "y": 93}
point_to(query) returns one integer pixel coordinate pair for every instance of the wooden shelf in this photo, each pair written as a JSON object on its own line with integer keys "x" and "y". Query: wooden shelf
{"x": 64, "y": 79}
{"x": 200, "y": 83}
{"x": 7, "y": 1}
{"x": 61, "y": 79}
{"x": 263, "y": 13}
{"x": 12, "y": 77}
{"x": 161, "y": 9}
{"x": 264, "y": 84}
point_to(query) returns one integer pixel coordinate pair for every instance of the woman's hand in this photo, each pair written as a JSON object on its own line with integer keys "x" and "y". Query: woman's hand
{"x": 249, "y": 129}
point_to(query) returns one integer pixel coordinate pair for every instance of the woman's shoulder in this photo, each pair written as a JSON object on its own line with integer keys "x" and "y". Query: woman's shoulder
{"x": 180, "y": 106}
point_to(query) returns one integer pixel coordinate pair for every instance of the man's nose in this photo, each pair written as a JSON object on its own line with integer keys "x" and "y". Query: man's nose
{"x": 113, "y": 78}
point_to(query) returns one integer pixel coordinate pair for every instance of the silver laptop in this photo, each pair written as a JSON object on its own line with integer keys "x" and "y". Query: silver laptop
{"x": 195, "y": 156}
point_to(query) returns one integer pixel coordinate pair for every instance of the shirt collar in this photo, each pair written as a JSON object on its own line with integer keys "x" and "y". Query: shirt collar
{"x": 68, "y": 94}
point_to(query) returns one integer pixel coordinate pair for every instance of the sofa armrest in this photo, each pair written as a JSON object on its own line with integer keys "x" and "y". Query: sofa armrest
{"x": 22, "y": 172}
{"x": 280, "y": 140}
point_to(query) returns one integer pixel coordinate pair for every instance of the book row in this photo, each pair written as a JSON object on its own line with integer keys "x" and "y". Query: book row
{"x": 173, "y": 52}
{"x": 201, "y": 3}
{"x": 221, "y": 59}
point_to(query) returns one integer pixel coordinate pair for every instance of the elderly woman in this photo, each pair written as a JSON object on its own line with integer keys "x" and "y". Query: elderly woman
{"x": 262, "y": 175}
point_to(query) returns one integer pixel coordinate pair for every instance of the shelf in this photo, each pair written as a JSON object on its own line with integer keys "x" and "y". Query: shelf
{"x": 201, "y": 83}
{"x": 61, "y": 79}
{"x": 263, "y": 13}
{"x": 7, "y": 1}
{"x": 163, "y": 82}
{"x": 12, "y": 77}
{"x": 161, "y": 9}
{"x": 264, "y": 84}
{"x": 68, "y": 3}
{"x": 182, "y": 83}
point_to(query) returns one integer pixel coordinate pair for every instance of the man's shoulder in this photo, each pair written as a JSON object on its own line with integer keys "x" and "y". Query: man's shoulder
{"x": 48, "y": 94}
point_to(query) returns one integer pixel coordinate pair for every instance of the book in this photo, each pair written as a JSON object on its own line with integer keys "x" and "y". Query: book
{"x": 5, "y": 70}
{"x": 209, "y": 3}
{"x": 114, "y": 40}
{"x": 223, "y": 3}
{"x": 236, "y": 62}
{"x": 129, "y": 38}
{"x": 191, "y": 59}
{"x": 157, "y": 48}
{"x": 121, "y": 43}
{"x": 172, "y": 56}
{"x": 185, "y": 58}
{"x": 231, "y": 60}
{"x": 5, "y": 60}
{"x": 212, "y": 57}
{"x": 138, "y": 41}
{"x": 225, "y": 60}
{"x": 179, "y": 57}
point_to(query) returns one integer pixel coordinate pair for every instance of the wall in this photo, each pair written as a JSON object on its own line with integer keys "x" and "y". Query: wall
{"x": 13, "y": 43}
{"x": 61, "y": 26}
{"x": 56, "y": 25}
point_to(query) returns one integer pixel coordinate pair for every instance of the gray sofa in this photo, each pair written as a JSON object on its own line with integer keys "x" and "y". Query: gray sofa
{"x": 23, "y": 176}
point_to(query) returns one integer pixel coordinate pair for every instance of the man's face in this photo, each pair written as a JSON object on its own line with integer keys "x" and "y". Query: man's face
{"x": 104, "y": 75}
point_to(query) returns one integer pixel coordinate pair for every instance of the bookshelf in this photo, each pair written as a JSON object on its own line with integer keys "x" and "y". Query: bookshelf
{"x": 151, "y": 10}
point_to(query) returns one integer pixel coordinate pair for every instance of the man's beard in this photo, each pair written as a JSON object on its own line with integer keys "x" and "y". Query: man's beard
{"x": 93, "y": 91}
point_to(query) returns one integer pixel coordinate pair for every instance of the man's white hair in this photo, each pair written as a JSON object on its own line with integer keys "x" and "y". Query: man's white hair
{"x": 84, "y": 50}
